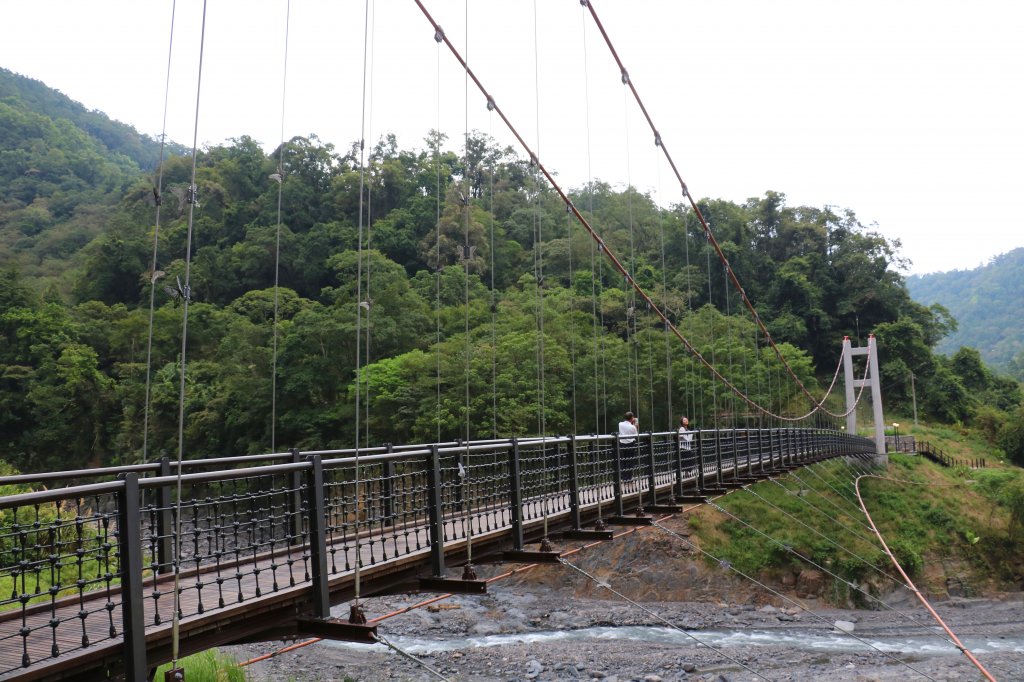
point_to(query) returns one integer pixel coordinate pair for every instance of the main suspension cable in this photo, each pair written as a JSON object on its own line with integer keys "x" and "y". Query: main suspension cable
{"x": 696, "y": 209}
{"x": 440, "y": 36}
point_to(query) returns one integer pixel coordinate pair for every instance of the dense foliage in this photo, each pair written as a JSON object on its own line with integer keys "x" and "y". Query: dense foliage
{"x": 468, "y": 293}
{"x": 929, "y": 515}
{"x": 984, "y": 301}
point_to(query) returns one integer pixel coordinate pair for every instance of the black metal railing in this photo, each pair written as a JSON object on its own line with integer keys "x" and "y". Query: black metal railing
{"x": 92, "y": 564}
{"x": 936, "y": 455}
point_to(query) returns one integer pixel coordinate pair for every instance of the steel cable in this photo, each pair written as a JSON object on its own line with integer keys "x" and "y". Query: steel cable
{"x": 660, "y": 619}
{"x": 277, "y": 246}
{"x": 910, "y": 584}
{"x": 158, "y": 200}
{"x": 191, "y": 197}
{"x": 729, "y": 566}
{"x": 627, "y": 80}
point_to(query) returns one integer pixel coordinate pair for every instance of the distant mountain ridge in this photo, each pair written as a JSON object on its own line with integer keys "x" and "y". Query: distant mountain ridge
{"x": 118, "y": 138}
{"x": 64, "y": 170}
{"x": 985, "y": 301}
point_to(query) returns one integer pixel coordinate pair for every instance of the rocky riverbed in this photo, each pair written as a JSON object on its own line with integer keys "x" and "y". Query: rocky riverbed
{"x": 670, "y": 622}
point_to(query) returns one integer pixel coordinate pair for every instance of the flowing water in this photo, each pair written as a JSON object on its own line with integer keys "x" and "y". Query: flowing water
{"x": 799, "y": 639}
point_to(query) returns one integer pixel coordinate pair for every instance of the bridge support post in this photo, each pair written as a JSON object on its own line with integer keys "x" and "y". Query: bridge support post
{"x": 164, "y": 522}
{"x": 574, "y": 485}
{"x": 775, "y": 443}
{"x": 746, "y": 453}
{"x": 874, "y": 383}
{"x": 515, "y": 495}
{"x": 388, "y": 489}
{"x": 620, "y": 508}
{"x": 677, "y": 489}
{"x": 133, "y": 617}
{"x": 701, "y": 479}
{"x": 719, "y": 479}
{"x": 435, "y": 512}
{"x": 295, "y": 500}
{"x": 652, "y": 483}
{"x": 760, "y": 450}
{"x": 318, "y": 538}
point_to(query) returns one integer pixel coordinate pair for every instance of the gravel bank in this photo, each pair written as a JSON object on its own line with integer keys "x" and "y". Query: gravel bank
{"x": 552, "y": 623}
{"x": 458, "y": 629}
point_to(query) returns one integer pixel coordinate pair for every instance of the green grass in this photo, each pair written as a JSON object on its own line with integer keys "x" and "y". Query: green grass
{"x": 208, "y": 666}
{"x": 936, "y": 517}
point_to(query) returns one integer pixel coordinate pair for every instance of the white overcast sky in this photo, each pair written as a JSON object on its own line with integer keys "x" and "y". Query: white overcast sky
{"x": 910, "y": 113}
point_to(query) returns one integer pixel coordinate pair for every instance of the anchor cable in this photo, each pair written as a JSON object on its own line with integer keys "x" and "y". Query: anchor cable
{"x": 789, "y": 548}
{"x": 729, "y": 566}
{"x": 384, "y": 640}
{"x": 910, "y": 584}
{"x": 660, "y": 619}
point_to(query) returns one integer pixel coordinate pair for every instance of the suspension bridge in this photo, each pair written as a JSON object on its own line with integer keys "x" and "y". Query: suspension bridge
{"x": 111, "y": 571}
{"x": 267, "y": 544}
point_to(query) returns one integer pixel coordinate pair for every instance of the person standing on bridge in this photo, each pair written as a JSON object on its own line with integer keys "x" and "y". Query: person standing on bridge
{"x": 685, "y": 434}
{"x": 628, "y": 432}
{"x": 686, "y": 442}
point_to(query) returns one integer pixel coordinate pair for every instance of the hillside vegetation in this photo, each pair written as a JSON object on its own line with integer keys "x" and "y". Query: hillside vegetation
{"x": 956, "y": 532}
{"x": 951, "y": 529}
{"x": 469, "y": 295}
{"x": 985, "y": 302}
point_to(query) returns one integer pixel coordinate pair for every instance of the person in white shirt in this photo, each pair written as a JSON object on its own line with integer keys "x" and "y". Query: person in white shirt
{"x": 628, "y": 433}
{"x": 685, "y": 434}
{"x": 687, "y": 456}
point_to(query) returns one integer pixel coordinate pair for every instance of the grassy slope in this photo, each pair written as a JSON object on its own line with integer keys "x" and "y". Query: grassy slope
{"x": 949, "y": 528}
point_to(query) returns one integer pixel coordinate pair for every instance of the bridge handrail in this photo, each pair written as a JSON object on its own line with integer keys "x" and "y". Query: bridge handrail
{"x": 933, "y": 453}
{"x": 44, "y": 496}
{"x": 346, "y": 454}
{"x": 223, "y": 474}
{"x": 45, "y": 476}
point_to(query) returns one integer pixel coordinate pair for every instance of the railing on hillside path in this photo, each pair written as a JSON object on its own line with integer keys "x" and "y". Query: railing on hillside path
{"x": 92, "y": 565}
{"x": 936, "y": 455}
{"x": 906, "y": 444}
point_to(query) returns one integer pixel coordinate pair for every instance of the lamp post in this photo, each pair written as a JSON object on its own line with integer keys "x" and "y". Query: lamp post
{"x": 896, "y": 429}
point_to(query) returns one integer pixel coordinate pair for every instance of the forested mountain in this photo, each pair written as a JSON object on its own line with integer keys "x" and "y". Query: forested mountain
{"x": 468, "y": 293}
{"x": 986, "y": 302}
{"x": 62, "y": 168}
